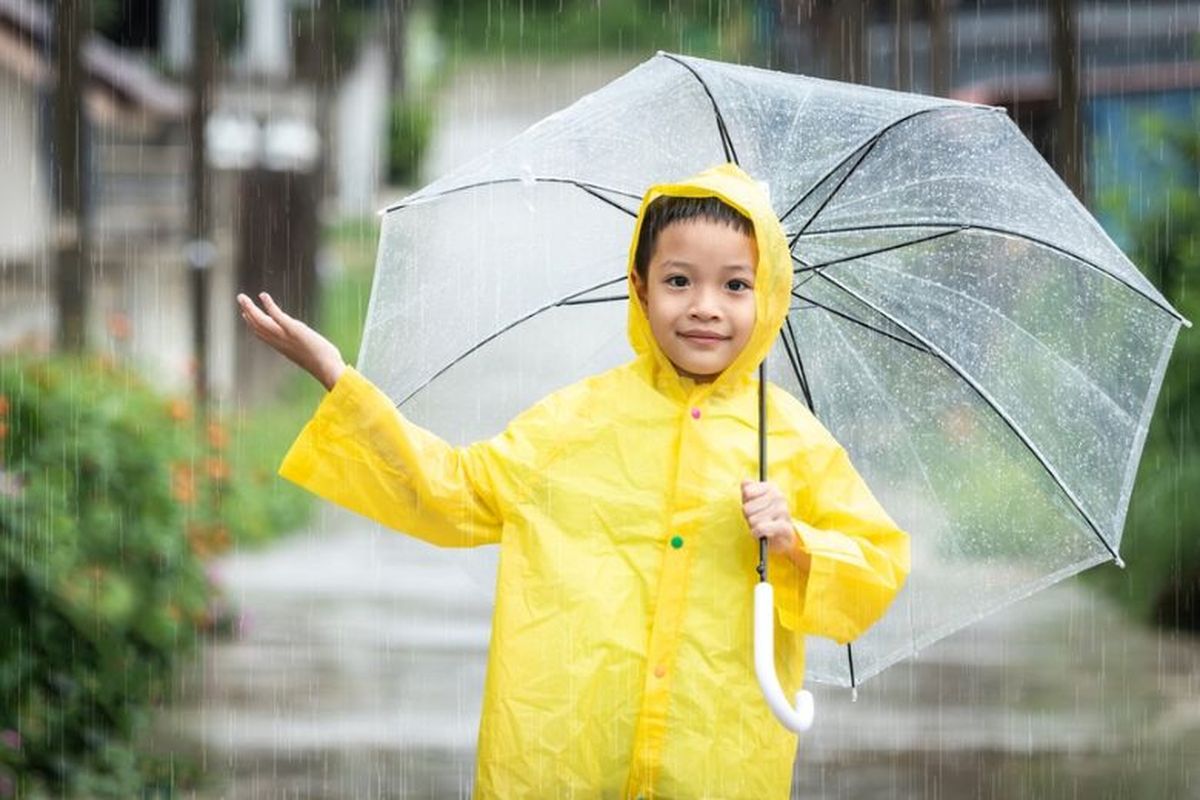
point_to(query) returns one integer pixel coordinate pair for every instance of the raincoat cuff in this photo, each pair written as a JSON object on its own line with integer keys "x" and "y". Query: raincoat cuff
{"x": 790, "y": 583}
{"x": 353, "y": 403}
{"x": 823, "y": 544}
{"x": 347, "y": 401}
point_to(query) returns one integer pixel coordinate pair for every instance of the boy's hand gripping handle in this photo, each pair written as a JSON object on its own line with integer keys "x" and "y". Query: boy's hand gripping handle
{"x": 800, "y": 718}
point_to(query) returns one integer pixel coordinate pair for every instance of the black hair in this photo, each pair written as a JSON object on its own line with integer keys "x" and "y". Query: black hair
{"x": 667, "y": 210}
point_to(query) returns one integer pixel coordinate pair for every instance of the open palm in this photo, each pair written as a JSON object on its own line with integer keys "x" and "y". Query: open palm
{"x": 294, "y": 339}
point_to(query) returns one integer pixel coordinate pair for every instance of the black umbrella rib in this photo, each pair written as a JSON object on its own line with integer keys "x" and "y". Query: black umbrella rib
{"x": 863, "y": 323}
{"x": 793, "y": 353}
{"x": 722, "y": 129}
{"x": 965, "y": 227}
{"x": 505, "y": 329}
{"x": 591, "y": 188}
{"x": 809, "y": 267}
{"x": 863, "y": 148}
{"x": 585, "y": 301}
{"x": 979, "y": 390}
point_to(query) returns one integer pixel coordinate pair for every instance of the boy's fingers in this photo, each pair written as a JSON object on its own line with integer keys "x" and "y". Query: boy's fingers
{"x": 752, "y": 489}
{"x": 275, "y": 311}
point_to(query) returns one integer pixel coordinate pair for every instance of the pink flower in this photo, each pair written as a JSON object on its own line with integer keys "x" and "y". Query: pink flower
{"x": 11, "y": 738}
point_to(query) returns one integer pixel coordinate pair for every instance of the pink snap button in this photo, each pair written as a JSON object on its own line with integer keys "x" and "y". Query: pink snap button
{"x": 659, "y": 671}
{"x": 695, "y": 413}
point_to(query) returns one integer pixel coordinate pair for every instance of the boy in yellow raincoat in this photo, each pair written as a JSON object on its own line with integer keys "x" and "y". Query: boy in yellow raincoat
{"x": 621, "y": 660}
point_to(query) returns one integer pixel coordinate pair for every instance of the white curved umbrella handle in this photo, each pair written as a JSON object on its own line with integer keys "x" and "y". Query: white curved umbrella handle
{"x": 800, "y": 718}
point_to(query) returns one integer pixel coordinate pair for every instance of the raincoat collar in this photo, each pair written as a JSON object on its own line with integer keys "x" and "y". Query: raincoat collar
{"x": 772, "y": 285}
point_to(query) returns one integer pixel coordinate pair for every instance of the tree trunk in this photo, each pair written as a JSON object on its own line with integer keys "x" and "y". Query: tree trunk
{"x": 1068, "y": 149}
{"x": 902, "y": 77}
{"x": 201, "y": 251}
{"x": 71, "y": 21}
{"x": 940, "y": 47}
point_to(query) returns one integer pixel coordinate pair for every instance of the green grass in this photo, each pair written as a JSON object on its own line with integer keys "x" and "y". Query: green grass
{"x": 264, "y": 433}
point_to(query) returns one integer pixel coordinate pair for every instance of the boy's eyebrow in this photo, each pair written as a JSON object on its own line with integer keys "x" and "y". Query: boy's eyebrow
{"x": 689, "y": 265}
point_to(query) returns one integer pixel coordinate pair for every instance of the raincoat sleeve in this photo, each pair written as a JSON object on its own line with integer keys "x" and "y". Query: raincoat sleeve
{"x": 359, "y": 452}
{"x": 859, "y": 556}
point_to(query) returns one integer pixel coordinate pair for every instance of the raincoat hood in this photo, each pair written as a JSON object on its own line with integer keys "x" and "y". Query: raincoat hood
{"x": 772, "y": 282}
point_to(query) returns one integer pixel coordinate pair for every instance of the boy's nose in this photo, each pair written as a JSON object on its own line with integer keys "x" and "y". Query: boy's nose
{"x": 705, "y": 306}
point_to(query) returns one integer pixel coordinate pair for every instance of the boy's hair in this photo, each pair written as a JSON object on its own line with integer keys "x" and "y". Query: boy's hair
{"x": 666, "y": 210}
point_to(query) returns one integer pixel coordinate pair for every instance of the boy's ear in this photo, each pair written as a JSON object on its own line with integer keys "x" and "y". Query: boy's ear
{"x": 640, "y": 287}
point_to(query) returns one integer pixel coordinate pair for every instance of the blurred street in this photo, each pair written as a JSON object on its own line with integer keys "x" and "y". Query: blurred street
{"x": 361, "y": 673}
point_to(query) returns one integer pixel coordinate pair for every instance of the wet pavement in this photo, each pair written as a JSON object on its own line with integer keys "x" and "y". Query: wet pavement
{"x": 360, "y": 674}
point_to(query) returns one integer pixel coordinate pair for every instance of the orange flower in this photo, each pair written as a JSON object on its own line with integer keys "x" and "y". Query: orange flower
{"x": 218, "y": 436}
{"x": 178, "y": 409}
{"x": 220, "y": 538}
{"x": 217, "y": 469}
{"x": 3, "y": 429}
{"x": 183, "y": 483}
{"x": 198, "y": 539}
{"x": 119, "y": 326}
{"x": 3, "y": 405}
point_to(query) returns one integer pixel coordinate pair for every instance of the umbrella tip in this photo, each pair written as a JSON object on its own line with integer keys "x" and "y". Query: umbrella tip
{"x": 1120, "y": 562}
{"x": 853, "y": 694}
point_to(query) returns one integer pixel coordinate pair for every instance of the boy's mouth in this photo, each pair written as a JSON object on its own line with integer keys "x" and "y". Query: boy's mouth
{"x": 702, "y": 336}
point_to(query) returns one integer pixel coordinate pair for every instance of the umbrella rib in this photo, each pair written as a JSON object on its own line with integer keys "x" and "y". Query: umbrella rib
{"x": 863, "y": 323}
{"x": 965, "y": 227}
{"x": 585, "y": 301}
{"x": 793, "y": 353}
{"x": 722, "y": 129}
{"x": 808, "y": 267}
{"x": 505, "y": 329}
{"x": 865, "y": 147}
{"x": 590, "y": 188}
{"x": 987, "y": 398}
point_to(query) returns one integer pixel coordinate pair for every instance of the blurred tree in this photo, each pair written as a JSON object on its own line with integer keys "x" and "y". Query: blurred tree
{"x": 1068, "y": 136}
{"x": 72, "y": 21}
{"x": 941, "y": 46}
{"x": 902, "y": 69}
{"x": 1162, "y": 531}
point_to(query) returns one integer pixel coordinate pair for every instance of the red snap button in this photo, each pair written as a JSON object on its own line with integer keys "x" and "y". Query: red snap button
{"x": 695, "y": 413}
{"x": 659, "y": 671}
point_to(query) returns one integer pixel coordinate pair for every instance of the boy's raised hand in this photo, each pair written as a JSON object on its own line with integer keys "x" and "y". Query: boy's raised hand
{"x": 766, "y": 511}
{"x": 291, "y": 337}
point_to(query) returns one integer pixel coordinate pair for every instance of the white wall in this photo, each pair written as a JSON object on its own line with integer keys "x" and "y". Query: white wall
{"x": 24, "y": 198}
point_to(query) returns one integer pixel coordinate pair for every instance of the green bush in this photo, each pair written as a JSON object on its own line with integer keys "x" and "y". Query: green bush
{"x": 409, "y": 130}
{"x": 569, "y": 28}
{"x": 1161, "y": 544}
{"x": 110, "y": 501}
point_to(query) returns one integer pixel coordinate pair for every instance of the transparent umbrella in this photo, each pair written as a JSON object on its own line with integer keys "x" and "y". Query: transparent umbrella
{"x": 965, "y": 328}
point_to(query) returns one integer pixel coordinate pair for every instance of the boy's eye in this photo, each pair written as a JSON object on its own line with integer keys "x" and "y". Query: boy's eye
{"x": 738, "y": 285}
{"x": 682, "y": 281}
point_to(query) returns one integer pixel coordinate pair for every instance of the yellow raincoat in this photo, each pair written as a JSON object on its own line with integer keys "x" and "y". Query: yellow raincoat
{"x": 621, "y": 655}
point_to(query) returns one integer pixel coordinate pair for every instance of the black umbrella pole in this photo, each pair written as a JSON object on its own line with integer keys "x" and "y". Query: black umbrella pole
{"x": 762, "y": 458}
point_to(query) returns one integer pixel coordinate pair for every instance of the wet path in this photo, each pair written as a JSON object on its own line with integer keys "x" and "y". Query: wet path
{"x": 361, "y": 671}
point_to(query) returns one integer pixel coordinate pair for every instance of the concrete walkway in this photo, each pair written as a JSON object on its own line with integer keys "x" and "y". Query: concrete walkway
{"x": 360, "y": 675}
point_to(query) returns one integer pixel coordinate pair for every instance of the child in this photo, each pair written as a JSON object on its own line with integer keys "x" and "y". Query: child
{"x": 621, "y": 657}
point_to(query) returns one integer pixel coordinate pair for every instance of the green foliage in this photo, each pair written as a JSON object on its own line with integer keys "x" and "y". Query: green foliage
{"x": 104, "y": 520}
{"x": 409, "y": 130}
{"x": 569, "y": 28}
{"x": 1161, "y": 545}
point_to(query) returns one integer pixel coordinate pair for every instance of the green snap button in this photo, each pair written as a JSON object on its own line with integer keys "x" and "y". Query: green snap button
{"x": 677, "y": 542}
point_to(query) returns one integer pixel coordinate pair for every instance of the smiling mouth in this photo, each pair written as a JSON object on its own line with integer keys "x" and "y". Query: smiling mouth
{"x": 703, "y": 337}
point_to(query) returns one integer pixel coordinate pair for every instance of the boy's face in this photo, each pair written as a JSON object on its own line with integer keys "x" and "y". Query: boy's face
{"x": 699, "y": 295}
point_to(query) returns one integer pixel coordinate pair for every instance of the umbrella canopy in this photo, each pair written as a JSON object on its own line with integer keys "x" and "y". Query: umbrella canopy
{"x": 986, "y": 354}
